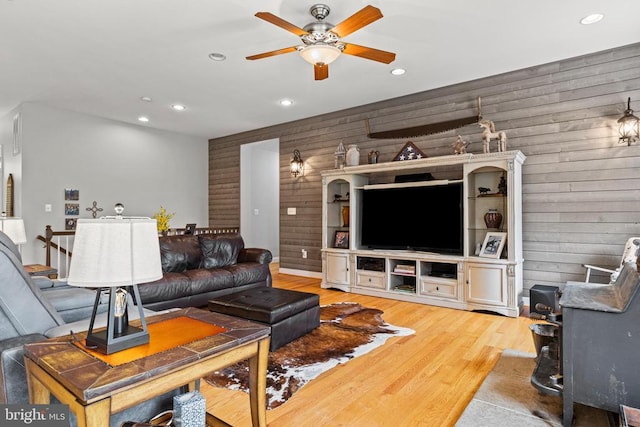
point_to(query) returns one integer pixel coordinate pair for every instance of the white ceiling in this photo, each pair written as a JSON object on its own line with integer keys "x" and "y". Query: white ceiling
{"x": 101, "y": 56}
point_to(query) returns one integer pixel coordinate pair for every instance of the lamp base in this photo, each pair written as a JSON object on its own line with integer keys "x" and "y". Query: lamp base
{"x": 119, "y": 334}
{"x": 131, "y": 337}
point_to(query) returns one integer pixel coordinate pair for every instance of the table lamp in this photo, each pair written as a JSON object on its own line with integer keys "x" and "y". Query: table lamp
{"x": 116, "y": 253}
{"x": 14, "y": 228}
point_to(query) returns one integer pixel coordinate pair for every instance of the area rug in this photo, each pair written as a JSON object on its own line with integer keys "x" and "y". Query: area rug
{"x": 507, "y": 398}
{"x": 346, "y": 331}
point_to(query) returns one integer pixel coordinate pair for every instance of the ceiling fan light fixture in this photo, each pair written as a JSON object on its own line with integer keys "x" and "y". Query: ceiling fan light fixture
{"x": 320, "y": 53}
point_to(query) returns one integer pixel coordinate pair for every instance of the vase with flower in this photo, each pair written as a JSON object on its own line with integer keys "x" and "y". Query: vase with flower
{"x": 163, "y": 219}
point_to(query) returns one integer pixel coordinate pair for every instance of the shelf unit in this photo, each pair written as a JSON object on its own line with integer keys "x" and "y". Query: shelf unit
{"x": 338, "y": 194}
{"x": 467, "y": 281}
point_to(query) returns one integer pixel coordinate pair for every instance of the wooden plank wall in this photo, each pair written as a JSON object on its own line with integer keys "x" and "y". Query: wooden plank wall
{"x": 580, "y": 187}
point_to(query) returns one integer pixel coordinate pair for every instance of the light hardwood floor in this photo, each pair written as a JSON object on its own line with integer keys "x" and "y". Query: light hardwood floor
{"x": 426, "y": 379}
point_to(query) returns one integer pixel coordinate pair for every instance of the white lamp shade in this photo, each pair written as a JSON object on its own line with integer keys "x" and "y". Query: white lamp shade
{"x": 115, "y": 252}
{"x": 320, "y": 53}
{"x": 14, "y": 228}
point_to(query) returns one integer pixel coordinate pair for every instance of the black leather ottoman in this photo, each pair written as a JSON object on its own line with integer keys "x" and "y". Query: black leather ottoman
{"x": 290, "y": 314}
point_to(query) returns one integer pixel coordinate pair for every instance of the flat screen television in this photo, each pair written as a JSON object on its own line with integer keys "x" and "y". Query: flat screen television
{"x": 422, "y": 218}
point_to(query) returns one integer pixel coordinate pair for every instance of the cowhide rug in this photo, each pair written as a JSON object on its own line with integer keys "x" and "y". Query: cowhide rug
{"x": 346, "y": 331}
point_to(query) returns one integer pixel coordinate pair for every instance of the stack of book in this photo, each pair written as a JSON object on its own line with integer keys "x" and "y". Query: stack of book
{"x": 405, "y": 269}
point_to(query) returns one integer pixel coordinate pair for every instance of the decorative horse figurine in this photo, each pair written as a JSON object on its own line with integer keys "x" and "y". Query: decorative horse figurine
{"x": 490, "y": 132}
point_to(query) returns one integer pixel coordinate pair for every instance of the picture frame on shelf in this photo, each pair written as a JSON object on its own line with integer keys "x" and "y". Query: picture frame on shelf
{"x": 341, "y": 239}
{"x": 409, "y": 152}
{"x": 493, "y": 244}
{"x": 190, "y": 229}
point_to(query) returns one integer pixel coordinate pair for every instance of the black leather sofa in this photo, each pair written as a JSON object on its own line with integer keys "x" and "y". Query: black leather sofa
{"x": 197, "y": 268}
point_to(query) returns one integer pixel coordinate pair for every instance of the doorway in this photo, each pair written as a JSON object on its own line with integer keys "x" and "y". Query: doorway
{"x": 260, "y": 195}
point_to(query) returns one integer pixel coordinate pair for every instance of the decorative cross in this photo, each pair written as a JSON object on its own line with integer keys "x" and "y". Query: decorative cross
{"x": 94, "y": 209}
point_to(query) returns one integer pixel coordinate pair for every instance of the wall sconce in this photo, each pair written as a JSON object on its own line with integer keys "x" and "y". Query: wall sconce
{"x": 297, "y": 165}
{"x": 629, "y": 126}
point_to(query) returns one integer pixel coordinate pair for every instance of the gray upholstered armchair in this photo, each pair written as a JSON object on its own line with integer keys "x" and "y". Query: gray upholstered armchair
{"x": 29, "y": 313}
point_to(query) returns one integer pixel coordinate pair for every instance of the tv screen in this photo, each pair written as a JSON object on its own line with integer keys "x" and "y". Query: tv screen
{"x": 425, "y": 218}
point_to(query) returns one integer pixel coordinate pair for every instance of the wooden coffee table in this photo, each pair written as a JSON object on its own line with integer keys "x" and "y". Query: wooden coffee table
{"x": 96, "y": 386}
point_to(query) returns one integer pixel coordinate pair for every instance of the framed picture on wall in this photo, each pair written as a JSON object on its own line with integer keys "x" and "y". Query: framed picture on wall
{"x": 71, "y": 194}
{"x": 71, "y": 209}
{"x": 493, "y": 244}
{"x": 70, "y": 223}
{"x": 341, "y": 240}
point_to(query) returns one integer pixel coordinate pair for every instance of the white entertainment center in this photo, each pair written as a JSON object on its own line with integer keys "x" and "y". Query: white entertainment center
{"x": 464, "y": 281}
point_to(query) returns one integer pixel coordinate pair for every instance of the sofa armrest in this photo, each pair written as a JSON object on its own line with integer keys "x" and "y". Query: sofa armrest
{"x": 261, "y": 256}
{"x": 13, "y": 377}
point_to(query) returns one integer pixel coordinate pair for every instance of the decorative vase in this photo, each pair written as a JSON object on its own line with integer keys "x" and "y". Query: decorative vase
{"x": 345, "y": 216}
{"x": 353, "y": 155}
{"x": 493, "y": 218}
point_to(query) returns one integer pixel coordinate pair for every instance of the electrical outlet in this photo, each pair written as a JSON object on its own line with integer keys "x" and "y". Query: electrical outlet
{"x": 304, "y": 253}
{"x": 47, "y": 207}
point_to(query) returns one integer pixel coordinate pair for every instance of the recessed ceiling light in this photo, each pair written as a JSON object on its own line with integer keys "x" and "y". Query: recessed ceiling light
{"x": 592, "y": 19}
{"x": 217, "y": 56}
{"x": 178, "y": 107}
{"x": 398, "y": 71}
{"x": 146, "y": 98}
{"x": 143, "y": 119}
{"x": 286, "y": 102}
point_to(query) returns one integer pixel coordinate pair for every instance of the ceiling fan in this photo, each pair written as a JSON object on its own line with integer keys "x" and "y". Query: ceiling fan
{"x": 321, "y": 40}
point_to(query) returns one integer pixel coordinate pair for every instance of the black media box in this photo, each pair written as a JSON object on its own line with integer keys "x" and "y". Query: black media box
{"x": 546, "y": 297}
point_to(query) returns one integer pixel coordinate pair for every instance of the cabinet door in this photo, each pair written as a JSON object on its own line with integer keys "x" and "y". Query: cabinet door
{"x": 487, "y": 284}
{"x": 338, "y": 268}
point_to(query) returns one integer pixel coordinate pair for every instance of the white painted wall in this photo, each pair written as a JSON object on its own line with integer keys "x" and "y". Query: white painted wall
{"x": 108, "y": 162}
{"x": 259, "y": 197}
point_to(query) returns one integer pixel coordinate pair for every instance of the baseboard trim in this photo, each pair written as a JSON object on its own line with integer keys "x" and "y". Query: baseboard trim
{"x": 303, "y": 273}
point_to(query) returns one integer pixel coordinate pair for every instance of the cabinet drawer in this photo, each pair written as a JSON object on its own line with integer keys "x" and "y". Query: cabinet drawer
{"x": 445, "y": 290}
{"x": 370, "y": 280}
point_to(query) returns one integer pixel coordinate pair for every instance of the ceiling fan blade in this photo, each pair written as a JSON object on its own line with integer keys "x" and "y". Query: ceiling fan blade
{"x": 270, "y": 17}
{"x": 369, "y": 53}
{"x": 272, "y": 53}
{"x": 363, "y": 17}
{"x": 321, "y": 71}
